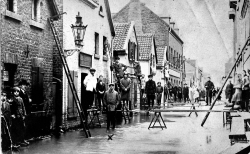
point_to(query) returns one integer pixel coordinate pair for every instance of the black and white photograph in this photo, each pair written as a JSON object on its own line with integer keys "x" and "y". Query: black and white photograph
{"x": 125, "y": 76}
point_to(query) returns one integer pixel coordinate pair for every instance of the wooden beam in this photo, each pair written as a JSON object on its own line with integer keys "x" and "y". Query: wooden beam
{"x": 167, "y": 110}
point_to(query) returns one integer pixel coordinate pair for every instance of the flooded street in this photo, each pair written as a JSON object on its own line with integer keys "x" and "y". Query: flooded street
{"x": 183, "y": 135}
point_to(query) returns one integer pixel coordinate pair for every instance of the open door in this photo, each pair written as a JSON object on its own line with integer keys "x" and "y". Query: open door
{"x": 83, "y": 93}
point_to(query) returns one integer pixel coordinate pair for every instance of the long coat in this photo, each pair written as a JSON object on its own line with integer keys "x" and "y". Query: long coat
{"x": 209, "y": 85}
{"x": 229, "y": 90}
{"x": 125, "y": 84}
{"x": 150, "y": 88}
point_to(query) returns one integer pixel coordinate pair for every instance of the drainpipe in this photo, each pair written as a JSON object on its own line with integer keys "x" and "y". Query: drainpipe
{"x": 111, "y": 59}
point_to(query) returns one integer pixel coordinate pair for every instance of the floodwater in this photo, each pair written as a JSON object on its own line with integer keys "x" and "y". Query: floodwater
{"x": 183, "y": 135}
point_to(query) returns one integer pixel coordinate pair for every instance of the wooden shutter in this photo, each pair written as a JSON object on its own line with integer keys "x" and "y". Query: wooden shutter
{"x": 37, "y": 88}
{"x": 131, "y": 51}
{"x": 72, "y": 108}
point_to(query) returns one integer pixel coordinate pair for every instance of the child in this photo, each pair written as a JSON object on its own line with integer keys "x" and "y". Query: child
{"x": 18, "y": 115}
{"x": 196, "y": 95}
{"x": 159, "y": 90}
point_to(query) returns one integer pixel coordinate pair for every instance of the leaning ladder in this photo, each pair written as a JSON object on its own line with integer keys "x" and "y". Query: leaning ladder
{"x": 69, "y": 77}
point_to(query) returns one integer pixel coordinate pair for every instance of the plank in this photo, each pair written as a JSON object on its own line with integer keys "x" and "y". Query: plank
{"x": 184, "y": 110}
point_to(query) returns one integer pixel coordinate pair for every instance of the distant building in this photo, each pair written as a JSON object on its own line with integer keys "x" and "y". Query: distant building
{"x": 228, "y": 66}
{"x": 165, "y": 34}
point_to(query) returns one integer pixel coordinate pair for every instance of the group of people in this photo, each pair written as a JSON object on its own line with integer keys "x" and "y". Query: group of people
{"x": 15, "y": 107}
{"x": 108, "y": 99}
{"x": 238, "y": 94}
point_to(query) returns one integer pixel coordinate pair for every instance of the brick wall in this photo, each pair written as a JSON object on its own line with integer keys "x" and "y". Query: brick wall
{"x": 17, "y": 35}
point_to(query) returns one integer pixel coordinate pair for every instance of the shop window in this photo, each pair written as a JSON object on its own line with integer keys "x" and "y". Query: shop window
{"x": 97, "y": 43}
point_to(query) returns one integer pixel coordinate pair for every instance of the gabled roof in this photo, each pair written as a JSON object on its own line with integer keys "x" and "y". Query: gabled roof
{"x": 160, "y": 54}
{"x": 145, "y": 45}
{"x": 121, "y": 31}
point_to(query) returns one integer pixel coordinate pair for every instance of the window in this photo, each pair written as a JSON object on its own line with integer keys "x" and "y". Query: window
{"x": 36, "y": 10}
{"x": 12, "y": 5}
{"x": 97, "y": 43}
{"x": 101, "y": 12}
{"x": 85, "y": 60}
{"x": 105, "y": 45}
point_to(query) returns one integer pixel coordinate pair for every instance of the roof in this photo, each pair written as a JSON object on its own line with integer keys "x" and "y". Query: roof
{"x": 145, "y": 45}
{"x": 121, "y": 31}
{"x": 160, "y": 54}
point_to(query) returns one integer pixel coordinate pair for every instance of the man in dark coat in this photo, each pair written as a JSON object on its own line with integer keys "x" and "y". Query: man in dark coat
{"x": 185, "y": 93}
{"x": 24, "y": 95}
{"x": 150, "y": 90}
{"x": 100, "y": 90}
{"x": 159, "y": 90}
{"x": 125, "y": 84}
{"x": 209, "y": 85}
{"x": 229, "y": 91}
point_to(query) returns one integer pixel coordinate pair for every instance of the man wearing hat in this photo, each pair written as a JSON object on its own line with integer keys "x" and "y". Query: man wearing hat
{"x": 119, "y": 68}
{"x": 150, "y": 90}
{"x": 125, "y": 89}
{"x": 23, "y": 84}
{"x": 90, "y": 83}
{"x": 209, "y": 85}
{"x": 111, "y": 99}
{"x": 185, "y": 92}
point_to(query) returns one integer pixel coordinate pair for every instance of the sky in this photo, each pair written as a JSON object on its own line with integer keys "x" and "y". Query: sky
{"x": 204, "y": 26}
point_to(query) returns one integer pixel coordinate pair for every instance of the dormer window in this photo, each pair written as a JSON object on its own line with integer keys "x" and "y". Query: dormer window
{"x": 12, "y": 5}
{"x": 101, "y": 11}
{"x": 36, "y": 10}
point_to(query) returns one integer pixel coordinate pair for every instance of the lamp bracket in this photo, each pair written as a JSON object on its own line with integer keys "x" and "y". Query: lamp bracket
{"x": 70, "y": 52}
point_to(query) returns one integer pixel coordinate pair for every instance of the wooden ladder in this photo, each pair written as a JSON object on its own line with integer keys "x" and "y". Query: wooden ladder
{"x": 69, "y": 77}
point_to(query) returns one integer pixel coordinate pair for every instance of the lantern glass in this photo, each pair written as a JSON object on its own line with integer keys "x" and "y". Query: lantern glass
{"x": 78, "y": 30}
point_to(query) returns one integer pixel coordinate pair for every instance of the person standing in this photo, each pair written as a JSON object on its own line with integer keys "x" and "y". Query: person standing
{"x": 23, "y": 84}
{"x": 100, "y": 89}
{"x": 125, "y": 90}
{"x": 245, "y": 91}
{"x": 119, "y": 69}
{"x": 150, "y": 90}
{"x": 143, "y": 82}
{"x": 90, "y": 83}
{"x": 111, "y": 99}
{"x": 209, "y": 85}
{"x": 185, "y": 93}
{"x": 18, "y": 114}
{"x": 229, "y": 91}
{"x": 159, "y": 90}
{"x": 237, "y": 96}
{"x": 167, "y": 87}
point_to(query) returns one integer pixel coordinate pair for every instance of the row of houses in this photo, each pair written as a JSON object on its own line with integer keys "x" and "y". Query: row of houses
{"x": 194, "y": 74}
{"x": 135, "y": 34}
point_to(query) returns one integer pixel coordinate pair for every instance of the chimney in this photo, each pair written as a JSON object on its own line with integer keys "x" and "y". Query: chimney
{"x": 172, "y": 24}
{"x": 166, "y": 19}
{"x": 177, "y": 31}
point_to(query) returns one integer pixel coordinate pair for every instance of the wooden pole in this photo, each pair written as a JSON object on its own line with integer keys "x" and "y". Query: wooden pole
{"x": 205, "y": 118}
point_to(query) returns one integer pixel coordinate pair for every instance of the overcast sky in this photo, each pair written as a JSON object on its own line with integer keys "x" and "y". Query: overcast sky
{"x": 204, "y": 27}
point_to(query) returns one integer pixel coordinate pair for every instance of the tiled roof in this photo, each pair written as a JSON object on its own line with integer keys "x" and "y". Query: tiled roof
{"x": 160, "y": 55}
{"x": 121, "y": 32}
{"x": 145, "y": 43}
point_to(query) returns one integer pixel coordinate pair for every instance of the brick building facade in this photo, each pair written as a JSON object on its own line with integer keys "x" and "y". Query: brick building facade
{"x": 27, "y": 49}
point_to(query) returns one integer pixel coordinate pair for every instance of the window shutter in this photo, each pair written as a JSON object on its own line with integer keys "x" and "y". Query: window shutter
{"x": 37, "y": 88}
{"x": 72, "y": 108}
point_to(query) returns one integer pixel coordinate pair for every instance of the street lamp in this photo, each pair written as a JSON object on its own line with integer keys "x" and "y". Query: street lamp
{"x": 78, "y": 30}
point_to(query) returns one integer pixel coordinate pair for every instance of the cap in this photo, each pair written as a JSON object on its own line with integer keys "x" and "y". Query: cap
{"x": 150, "y": 75}
{"x": 92, "y": 70}
{"x": 16, "y": 89}
{"x": 111, "y": 84}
